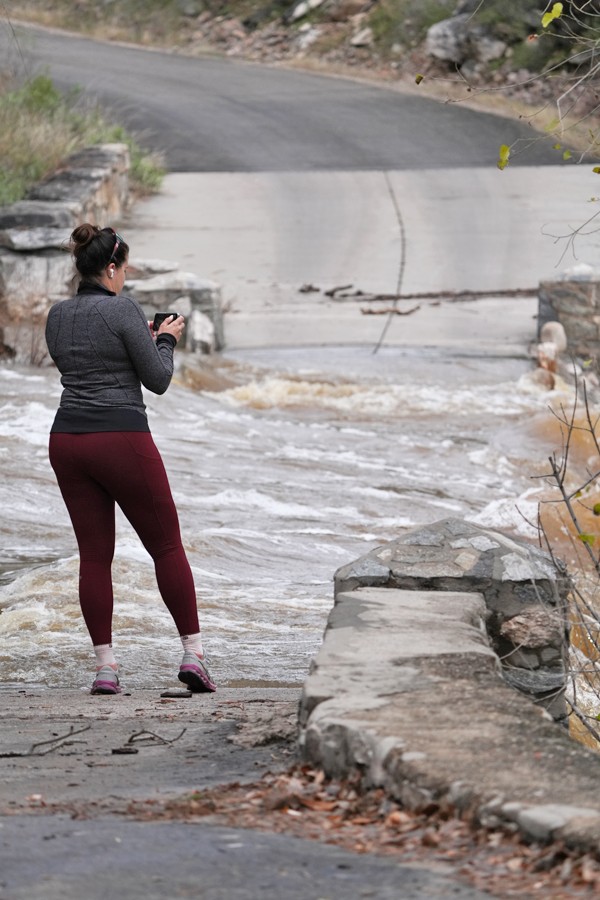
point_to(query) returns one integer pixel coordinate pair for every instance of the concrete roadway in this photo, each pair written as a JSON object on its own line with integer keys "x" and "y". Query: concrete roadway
{"x": 263, "y": 235}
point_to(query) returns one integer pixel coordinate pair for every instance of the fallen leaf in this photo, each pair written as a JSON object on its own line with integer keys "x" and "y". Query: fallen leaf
{"x": 589, "y": 870}
{"x": 515, "y": 864}
{"x": 361, "y": 820}
{"x": 397, "y": 818}
{"x": 320, "y": 805}
{"x": 430, "y": 838}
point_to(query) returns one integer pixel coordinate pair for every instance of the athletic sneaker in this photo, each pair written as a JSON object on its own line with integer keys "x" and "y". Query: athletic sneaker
{"x": 194, "y": 673}
{"x": 106, "y": 681}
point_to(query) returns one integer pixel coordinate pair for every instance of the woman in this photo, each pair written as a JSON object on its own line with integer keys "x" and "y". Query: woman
{"x": 102, "y": 451}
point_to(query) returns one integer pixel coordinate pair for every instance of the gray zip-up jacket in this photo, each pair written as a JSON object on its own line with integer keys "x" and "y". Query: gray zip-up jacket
{"x": 104, "y": 351}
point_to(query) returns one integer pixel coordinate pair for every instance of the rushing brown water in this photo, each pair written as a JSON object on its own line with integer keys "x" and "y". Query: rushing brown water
{"x": 305, "y": 461}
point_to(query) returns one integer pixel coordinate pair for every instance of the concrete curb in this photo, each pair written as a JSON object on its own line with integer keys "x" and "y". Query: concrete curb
{"x": 406, "y": 691}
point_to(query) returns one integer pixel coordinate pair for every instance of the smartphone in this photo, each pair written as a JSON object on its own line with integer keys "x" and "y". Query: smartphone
{"x": 159, "y": 318}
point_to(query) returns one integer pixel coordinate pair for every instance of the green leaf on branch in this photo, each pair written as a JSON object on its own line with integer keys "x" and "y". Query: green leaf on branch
{"x": 555, "y": 13}
{"x": 597, "y": 509}
{"x": 567, "y": 155}
{"x": 596, "y": 170}
{"x": 419, "y": 78}
{"x": 588, "y": 539}
{"x": 557, "y": 146}
{"x": 504, "y": 157}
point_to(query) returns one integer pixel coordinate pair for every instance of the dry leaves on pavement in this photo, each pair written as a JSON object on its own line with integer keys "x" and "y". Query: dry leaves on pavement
{"x": 302, "y": 802}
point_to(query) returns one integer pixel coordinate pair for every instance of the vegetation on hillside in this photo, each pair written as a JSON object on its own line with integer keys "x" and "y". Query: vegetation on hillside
{"x": 40, "y": 127}
{"x": 395, "y": 23}
{"x": 146, "y": 22}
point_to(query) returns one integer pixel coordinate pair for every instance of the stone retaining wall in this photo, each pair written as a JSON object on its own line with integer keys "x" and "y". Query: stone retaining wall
{"x": 573, "y": 299}
{"x": 35, "y": 271}
{"x": 526, "y": 610}
{"x": 406, "y": 692}
{"x": 93, "y": 186}
{"x": 409, "y": 691}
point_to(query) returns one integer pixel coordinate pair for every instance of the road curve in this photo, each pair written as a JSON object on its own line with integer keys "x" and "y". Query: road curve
{"x": 220, "y": 115}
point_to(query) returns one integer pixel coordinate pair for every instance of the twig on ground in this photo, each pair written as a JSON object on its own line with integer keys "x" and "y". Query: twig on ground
{"x": 56, "y": 742}
{"x": 151, "y": 736}
{"x": 450, "y": 296}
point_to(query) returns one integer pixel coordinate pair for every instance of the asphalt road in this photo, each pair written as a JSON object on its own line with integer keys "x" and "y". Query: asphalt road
{"x": 107, "y": 858}
{"x": 218, "y": 115}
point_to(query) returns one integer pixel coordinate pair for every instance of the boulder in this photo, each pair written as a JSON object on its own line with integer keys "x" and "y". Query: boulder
{"x": 23, "y": 283}
{"x": 488, "y": 48}
{"x": 185, "y": 293}
{"x": 190, "y": 8}
{"x": 302, "y": 9}
{"x": 554, "y": 332}
{"x": 459, "y": 38}
{"x": 145, "y": 268}
{"x": 201, "y": 333}
{"x": 363, "y": 38}
{"x": 39, "y": 214}
{"x": 28, "y": 282}
{"x": 448, "y": 40}
{"x": 535, "y": 628}
{"x": 72, "y": 185}
{"x": 572, "y": 300}
{"x": 30, "y": 239}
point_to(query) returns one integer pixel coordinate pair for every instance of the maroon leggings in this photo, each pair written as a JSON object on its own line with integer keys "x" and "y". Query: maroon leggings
{"x": 96, "y": 470}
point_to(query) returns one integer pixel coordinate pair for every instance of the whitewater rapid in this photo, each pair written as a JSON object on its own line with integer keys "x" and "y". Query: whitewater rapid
{"x": 301, "y": 465}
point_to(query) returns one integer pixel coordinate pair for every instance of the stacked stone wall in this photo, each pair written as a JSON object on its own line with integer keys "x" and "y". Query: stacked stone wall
{"x": 573, "y": 299}
{"x": 36, "y": 271}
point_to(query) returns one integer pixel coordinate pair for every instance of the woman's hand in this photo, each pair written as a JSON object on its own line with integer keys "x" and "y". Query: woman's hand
{"x": 174, "y": 325}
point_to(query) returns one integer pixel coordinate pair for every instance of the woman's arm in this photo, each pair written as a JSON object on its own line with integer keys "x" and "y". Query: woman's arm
{"x": 153, "y": 361}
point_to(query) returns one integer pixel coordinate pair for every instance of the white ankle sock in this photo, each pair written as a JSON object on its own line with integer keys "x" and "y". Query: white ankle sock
{"x": 193, "y": 642}
{"x": 104, "y": 655}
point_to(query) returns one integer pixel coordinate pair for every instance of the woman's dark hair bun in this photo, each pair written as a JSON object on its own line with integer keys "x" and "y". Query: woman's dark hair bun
{"x": 83, "y": 234}
{"x": 95, "y": 248}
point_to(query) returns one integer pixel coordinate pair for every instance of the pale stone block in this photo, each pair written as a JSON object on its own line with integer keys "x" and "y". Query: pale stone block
{"x": 541, "y": 822}
{"x": 61, "y": 276}
{"x": 23, "y": 281}
{"x": 31, "y": 239}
